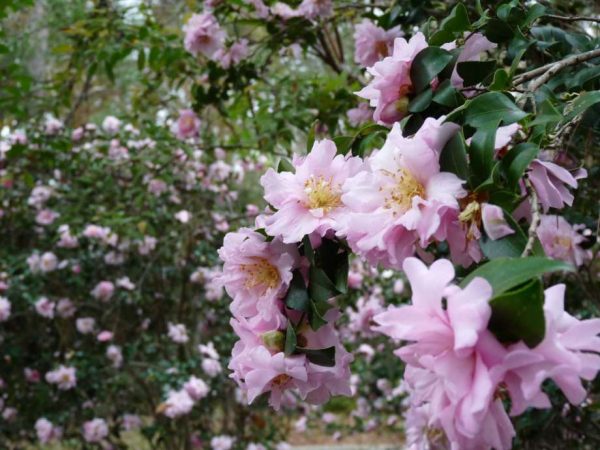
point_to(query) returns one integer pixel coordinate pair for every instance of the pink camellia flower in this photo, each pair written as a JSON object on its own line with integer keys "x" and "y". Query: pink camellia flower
{"x": 208, "y": 350}
{"x": 187, "y": 125}
{"x": 475, "y": 45}
{"x": 32, "y": 375}
{"x": 131, "y": 422}
{"x": 261, "y": 10}
{"x": 63, "y": 377}
{"x": 4, "y": 309}
{"x": 494, "y": 223}
{"x": 48, "y": 262}
{"x": 67, "y": 240}
{"x": 111, "y": 124}
{"x": 196, "y": 388}
{"x": 45, "y": 308}
{"x": 448, "y": 355}
{"x": 284, "y": 11}
{"x": 360, "y": 114}
{"x": 222, "y": 442}
{"x": 77, "y": 134}
{"x": 178, "y": 404}
{"x": 403, "y": 197}
{"x": 46, "y": 431}
{"x": 275, "y": 374}
{"x": 147, "y": 245}
{"x": 104, "y": 336}
{"x": 551, "y": 183}
{"x": 211, "y": 367}
{"x": 233, "y": 55}
{"x": 46, "y": 217}
{"x": 103, "y": 291}
{"x": 560, "y": 241}
{"x": 372, "y": 43}
{"x": 115, "y": 355}
{"x": 313, "y": 9}
{"x": 157, "y": 187}
{"x": 178, "y": 333}
{"x": 309, "y": 200}
{"x": 53, "y": 126}
{"x": 183, "y": 216}
{"x": 568, "y": 353}
{"x": 203, "y": 34}
{"x": 256, "y": 272}
{"x": 39, "y": 196}
{"x": 65, "y": 308}
{"x": 95, "y": 430}
{"x": 85, "y": 325}
{"x": 388, "y": 90}
{"x": 125, "y": 283}
{"x": 96, "y": 232}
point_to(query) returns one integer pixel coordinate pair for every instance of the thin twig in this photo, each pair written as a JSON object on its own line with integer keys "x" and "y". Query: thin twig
{"x": 535, "y": 219}
{"x": 549, "y": 70}
{"x": 571, "y": 19}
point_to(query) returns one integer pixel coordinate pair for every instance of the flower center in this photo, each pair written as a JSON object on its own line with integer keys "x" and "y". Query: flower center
{"x": 322, "y": 193}
{"x": 261, "y": 273}
{"x": 401, "y": 194}
{"x": 280, "y": 380}
{"x": 563, "y": 241}
{"x": 381, "y": 48}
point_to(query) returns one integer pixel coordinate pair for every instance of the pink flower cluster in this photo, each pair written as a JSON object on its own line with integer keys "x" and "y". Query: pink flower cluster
{"x": 181, "y": 402}
{"x": 256, "y": 274}
{"x": 457, "y": 372}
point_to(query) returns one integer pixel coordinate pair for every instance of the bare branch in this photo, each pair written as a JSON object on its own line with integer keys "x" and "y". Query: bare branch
{"x": 535, "y": 219}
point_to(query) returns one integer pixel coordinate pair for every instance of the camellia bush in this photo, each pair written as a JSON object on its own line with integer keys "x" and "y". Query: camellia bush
{"x": 366, "y": 216}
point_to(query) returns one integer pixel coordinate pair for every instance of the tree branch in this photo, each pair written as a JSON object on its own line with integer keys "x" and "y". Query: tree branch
{"x": 571, "y": 19}
{"x": 535, "y": 219}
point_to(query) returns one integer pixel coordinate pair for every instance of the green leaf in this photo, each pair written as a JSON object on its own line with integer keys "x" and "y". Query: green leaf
{"x": 447, "y": 95}
{"x": 308, "y": 250}
{"x": 492, "y": 107}
{"x": 334, "y": 262}
{"x": 475, "y": 72}
{"x": 291, "y": 341}
{"x": 506, "y": 273}
{"x": 321, "y": 357}
{"x": 481, "y": 152}
{"x": 421, "y": 102}
{"x": 583, "y": 102}
{"x": 285, "y": 165}
{"x": 516, "y": 162}
{"x": 501, "y": 80}
{"x": 498, "y": 31}
{"x": 310, "y": 138}
{"x": 453, "y": 157}
{"x": 316, "y": 313}
{"x": 456, "y": 22}
{"x": 518, "y": 315}
{"x": 297, "y": 295}
{"x": 427, "y": 64}
{"x": 320, "y": 286}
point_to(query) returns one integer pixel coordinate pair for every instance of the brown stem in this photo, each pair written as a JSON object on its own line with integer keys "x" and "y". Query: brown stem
{"x": 535, "y": 219}
{"x": 571, "y": 19}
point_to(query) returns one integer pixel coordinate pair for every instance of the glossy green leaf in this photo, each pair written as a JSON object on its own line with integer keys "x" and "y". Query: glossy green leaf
{"x": 297, "y": 295}
{"x": 583, "y": 102}
{"x": 506, "y": 273}
{"x": 291, "y": 341}
{"x": 453, "y": 157}
{"x": 500, "y": 81}
{"x": 510, "y": 246}
{"x": 421, "y": 102}
{"x": 516, "y": 162}
{"x": 321, "y": 357}
{"x": 426, "y": 65}
{"x": 518, "y": 315}
{"x": 475, "y": 72}
{"x": 447, "y": 95}
{"x": 481, "y": 153}
{"x": 492, "y": 107}
{"x": 285, "y": 165}
{"x": 456, "y": 22}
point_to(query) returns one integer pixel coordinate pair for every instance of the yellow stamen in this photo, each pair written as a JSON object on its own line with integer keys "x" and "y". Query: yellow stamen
{"x": 280, "y": 380}
{"x": 261, "y": 274}
{"x": 322, "y": 193}
{"x": 400, "y": 196}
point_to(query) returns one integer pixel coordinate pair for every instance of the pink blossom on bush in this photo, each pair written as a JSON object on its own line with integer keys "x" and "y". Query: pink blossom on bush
{"x": 64, "y": 377}
{"x": 46, "y": 217}
{"x": 196, "y": 388}
{"x": 131, "y": 422}
{"x": 65, "y": 308}
{"x": 4, "y": 309}
{"x": 115, "y": 355}
{"x": 111, "y": 124}
{"x": 372, "y": 43}
{"x": 48, "y": 262}
{"x": 85, "y": 325}
{"x": 178, "y": 333}
{"x": 95, "y": 430}
{"x": 494, "y": 223}
{"x": 203, "y": 34}
{"x": 309, "y": 200}
{"x": 67, "y": 240}
{"x": 222, "y": 442}
{"x": 103, "y": 291}
{"x": 256, "y": 272}
{"x": 187, "y": 126}
{"x": 45, "y": 308}
{"x": 359, "y": 115}
{"x": 474, "y": 46}
{"x": 104, "y": 336}
{"x": 183, "y": 216}
{"x": 313, "y": 9}
{"x": 32, "y": 375}
{"x": 178, "y": 403}
{"x": 211, "y": 367}
{"x": 391, "y": 83}
{"x": 561, "y": 241}
{"x": 233, "y": 55}
{"x": 46, "y": 431}
{"x": 551, "y": 183}
{"x": 402, "y": 198}
{"x": 261, "y": 10}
